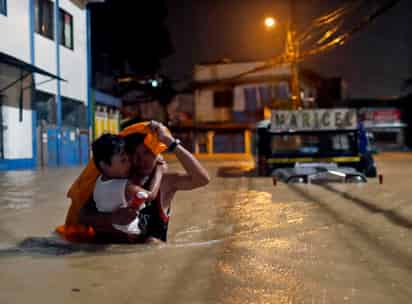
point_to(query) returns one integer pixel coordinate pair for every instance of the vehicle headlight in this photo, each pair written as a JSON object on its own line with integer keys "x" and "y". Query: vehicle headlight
{"x": 297, "y": 180}
{"x": 355, "y": 179}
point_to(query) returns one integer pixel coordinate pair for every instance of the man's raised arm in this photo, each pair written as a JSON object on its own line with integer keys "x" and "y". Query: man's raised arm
{"x": 195, "y": 176}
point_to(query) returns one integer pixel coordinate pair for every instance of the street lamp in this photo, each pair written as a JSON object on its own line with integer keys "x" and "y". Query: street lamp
{"x": 270, "y": 22}
{"x": 291, "y": 54}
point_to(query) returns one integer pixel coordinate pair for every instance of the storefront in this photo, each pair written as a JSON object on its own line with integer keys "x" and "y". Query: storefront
{"x": 18, "y": 140}
{"x": 107, "y": 114}
{"x": 385, "y": 127}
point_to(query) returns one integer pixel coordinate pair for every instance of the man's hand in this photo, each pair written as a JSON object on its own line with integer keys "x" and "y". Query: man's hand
{"x": 162, "y": 132}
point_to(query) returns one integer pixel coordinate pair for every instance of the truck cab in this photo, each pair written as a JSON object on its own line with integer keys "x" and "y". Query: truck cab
{"x": 331, "y": 137}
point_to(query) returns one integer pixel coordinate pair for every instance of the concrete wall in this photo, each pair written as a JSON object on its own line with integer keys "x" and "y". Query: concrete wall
{"x": 15, "y": 30}
{"x": 45, "y": 58}
{"x": 204, "y": 104}
{"x": 74, "y": 62}
{"x": 208, "y": 76}
{"x": 17, "y": 133}
{"x": 210, "y": 72}
{"x": 205, "y": 110}
{"x": 73, "y": 67}
{"x": 17, "y": 136}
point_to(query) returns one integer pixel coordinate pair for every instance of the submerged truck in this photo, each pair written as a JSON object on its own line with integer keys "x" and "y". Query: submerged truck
{"x": 314, "y": 145}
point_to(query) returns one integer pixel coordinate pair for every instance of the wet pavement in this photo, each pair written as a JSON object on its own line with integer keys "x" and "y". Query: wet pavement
{"x": 238, "y": 240}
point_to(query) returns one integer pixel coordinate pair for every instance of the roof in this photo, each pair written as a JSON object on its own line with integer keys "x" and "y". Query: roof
{"x": 225, "y": 126}
{"x": 230, "y": 82}
{"x": 82, "y": 3}
{"x": 106, "y": 99}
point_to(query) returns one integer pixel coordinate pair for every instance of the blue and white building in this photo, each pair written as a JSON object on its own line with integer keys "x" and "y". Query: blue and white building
{"x": 44, "y": 83}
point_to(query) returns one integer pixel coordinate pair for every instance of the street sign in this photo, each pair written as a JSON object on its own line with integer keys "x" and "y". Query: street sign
{"x": 309, "y": 120}
{"x": 372, "y": 117}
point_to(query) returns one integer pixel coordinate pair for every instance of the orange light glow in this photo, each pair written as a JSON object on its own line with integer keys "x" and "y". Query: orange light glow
{"x": 270, "y": 22}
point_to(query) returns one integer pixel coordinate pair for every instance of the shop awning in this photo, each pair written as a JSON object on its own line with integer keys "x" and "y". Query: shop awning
{"x": 13, "y": 61}
{"x": 10, "y": 60}
{"x": 106, "y": 99}
{"x": 23, "y": 66}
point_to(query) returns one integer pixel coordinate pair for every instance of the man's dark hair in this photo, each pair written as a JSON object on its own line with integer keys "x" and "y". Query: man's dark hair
{"x": 105, "y": 147}
{"x": 132, "y": 141}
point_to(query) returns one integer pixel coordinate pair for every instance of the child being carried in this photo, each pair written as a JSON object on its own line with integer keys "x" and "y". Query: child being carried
{"x": 113, "y": 188}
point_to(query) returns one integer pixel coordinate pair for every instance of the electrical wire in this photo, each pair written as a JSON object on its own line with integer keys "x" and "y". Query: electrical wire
{"x": 329, "y": 42}
{"x": 340, "y": 40}
{"x": 335, "y": 16}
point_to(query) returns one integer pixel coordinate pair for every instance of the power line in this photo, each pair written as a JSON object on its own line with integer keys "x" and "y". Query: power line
{"x": 328, "y": 37}
{"x": 333, "y": 17}
{"x": 340, "y": 40}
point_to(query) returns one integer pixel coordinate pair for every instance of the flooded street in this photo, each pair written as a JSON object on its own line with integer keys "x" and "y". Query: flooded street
{"x": 239, "y": 240}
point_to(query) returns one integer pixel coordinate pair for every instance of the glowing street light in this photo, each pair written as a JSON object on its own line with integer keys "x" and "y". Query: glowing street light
{"x": 270, "y": 22}
{"x": 154, "y": 83}
{"x": 292, "y": 55}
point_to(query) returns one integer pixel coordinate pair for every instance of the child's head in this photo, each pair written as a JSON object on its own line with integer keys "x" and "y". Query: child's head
{"x": 110, "y": 157}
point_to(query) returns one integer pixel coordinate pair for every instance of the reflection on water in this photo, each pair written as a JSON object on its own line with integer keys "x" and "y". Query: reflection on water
{"x": 239, "y": 240}
{"x": 194, "y": 244}
{"x": 47, "y": 246}
{"x": 249, "y": 265}
{"x": 17, "y": 189}
{"x": 255, "y": 274}
{"x": 54, "y": 247}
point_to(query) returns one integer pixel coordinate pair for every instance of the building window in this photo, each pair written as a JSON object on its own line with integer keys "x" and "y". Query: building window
{"x": 74, "y": 113}
{"x": 44, "y": 18}
{"x": 3, "y": 7}
{"x": 66, "y": 29}
{"x": 45, "y": 106}
{"x": 223, "y": 99}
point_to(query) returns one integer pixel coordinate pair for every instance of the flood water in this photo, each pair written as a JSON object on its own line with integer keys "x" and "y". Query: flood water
{"x": 239, "y": 240}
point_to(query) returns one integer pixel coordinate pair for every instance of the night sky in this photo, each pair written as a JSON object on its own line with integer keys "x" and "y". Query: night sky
{"x": 373, "y": 63}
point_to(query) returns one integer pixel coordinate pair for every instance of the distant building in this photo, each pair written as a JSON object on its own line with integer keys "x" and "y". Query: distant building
{"x": 181, "y": 108}
{"x": 331, "y": 92}
{"x": 106, "y": 113}
{"x": 227, "y": 107}
{"x": 385, "y": 127}
{"x": 140, "y": 105}
{"x": 388, "y": 121}
{"x": 43, "y": 83}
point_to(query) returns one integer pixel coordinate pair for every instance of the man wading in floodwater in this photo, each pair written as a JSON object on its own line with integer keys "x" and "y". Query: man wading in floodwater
{"x": 148, "y": 166}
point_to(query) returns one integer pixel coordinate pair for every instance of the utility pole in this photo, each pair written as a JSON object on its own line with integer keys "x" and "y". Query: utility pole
{"x": 292, "y": 55}
{"x": 297, "y": 49}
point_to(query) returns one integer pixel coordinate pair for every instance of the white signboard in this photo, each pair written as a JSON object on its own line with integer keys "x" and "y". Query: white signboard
{"x": 317, "y": 119}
